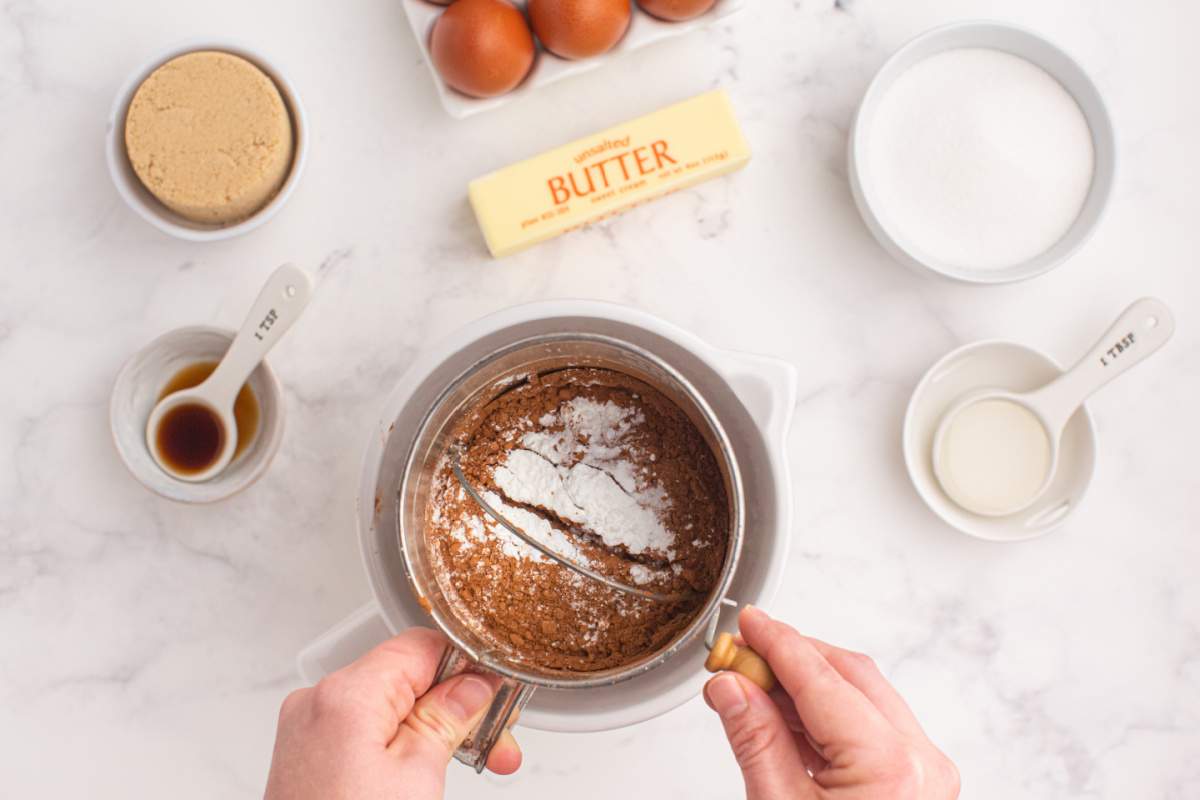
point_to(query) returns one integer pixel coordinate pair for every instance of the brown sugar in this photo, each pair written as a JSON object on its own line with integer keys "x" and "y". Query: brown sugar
{"x": 209, "y": 135}
{"x": 603, "y": 469}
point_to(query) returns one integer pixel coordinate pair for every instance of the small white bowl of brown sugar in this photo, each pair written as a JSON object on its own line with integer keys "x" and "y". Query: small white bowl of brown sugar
{"x": 207, "y": 140}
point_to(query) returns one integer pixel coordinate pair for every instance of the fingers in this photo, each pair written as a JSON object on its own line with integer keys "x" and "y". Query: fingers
{"x": 763, "y": 745}
{"x": 861, "y": 671}
{"x": 505, "y": 758}
{"x": 813, "y": 760}
{"x": 386, "y": 697}
{"x": 441, "y": 719}
{"x": 834, "y": 712}
{"x": 403, "y": 666}
{"x": 371, "y": 696}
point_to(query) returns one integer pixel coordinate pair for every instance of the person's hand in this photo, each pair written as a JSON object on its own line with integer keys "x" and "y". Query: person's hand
{"x": 833, "y": 728}
{"x": 376, "y": 730}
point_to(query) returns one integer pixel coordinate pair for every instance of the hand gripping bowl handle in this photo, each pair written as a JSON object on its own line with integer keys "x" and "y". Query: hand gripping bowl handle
{"x": 366, "y": 628}
{"x": 766, "y": 387}
{"x": 511, "y": 696}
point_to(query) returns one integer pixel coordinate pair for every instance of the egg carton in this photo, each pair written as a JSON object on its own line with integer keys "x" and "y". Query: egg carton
{"x": 549, "y": 68}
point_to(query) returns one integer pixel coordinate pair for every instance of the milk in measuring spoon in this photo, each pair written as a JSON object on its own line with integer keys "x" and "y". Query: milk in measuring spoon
{"x": 994, "y": 457}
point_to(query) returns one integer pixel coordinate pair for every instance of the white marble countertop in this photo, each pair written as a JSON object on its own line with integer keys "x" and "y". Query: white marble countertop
{"x": 147, "y": 645}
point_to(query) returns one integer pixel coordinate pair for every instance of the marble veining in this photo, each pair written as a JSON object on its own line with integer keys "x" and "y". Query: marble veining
{"x": 147, "y": 645}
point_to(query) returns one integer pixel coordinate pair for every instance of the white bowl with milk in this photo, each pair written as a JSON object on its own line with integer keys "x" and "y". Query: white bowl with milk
{"x": 1016, "y": 368}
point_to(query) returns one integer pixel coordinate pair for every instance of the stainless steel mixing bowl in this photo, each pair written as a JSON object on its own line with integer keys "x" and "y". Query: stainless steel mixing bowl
{"x": 481, "y": 381}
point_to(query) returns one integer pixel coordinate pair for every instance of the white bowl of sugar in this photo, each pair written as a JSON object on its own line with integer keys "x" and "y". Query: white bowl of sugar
{"x": 983, "y": 153}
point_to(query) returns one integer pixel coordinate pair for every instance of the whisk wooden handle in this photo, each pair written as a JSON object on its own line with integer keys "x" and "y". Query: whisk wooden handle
{"x": 727, "y": 655}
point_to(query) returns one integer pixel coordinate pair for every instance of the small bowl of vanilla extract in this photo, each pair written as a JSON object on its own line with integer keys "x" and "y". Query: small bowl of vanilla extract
{"x": 178, "y": 360}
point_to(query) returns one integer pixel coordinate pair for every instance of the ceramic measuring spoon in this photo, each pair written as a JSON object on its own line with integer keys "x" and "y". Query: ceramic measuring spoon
{"x": 198, "y": 423}
{"x": 995, "y": 452}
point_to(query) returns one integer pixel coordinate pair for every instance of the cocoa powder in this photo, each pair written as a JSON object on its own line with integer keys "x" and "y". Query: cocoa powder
{"x": 536, "y": 611}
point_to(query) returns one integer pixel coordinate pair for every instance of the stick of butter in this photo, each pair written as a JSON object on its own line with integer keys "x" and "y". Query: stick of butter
{"x": 605, "y": 174}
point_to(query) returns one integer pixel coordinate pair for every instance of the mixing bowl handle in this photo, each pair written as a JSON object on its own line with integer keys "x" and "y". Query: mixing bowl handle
{"x": 510, "y": 698}
{"x": 724, "y": 653}
{"x": 343, "y": 643}
{"x": 727, "y": 655}
{"x": 766, "y": 386}
{"x": 365, "y": 628}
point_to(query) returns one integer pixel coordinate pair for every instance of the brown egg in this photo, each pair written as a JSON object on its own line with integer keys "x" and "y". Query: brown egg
{"x": 482, "y": 47}
{"x": 579, "y": 28}
{"x": 676, "y": 10}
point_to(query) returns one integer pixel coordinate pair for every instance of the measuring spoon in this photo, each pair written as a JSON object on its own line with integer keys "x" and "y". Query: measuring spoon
{"x": 203, "y": 414}
{"x": 995, "y": 452}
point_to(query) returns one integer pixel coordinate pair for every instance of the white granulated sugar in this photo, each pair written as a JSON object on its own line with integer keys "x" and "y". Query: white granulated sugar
{"x": 981, "y": 160}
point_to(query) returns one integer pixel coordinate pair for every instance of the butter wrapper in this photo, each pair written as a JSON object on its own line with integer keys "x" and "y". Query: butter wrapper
{"x": 605, "y": 174}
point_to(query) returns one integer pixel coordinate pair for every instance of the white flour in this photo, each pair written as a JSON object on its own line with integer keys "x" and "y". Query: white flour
{"x": 641, "y": 575}
{"x": 475, "y": 529}
{"x": 603, "y": 425}
{"x": 588, "y": 484}
{"x": 981, "y": 159}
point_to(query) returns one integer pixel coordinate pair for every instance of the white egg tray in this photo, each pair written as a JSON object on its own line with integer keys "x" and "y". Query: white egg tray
{"x": 549, "y": 68}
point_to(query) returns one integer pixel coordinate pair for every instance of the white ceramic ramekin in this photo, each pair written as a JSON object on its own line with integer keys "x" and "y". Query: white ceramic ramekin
{"x": 752, "y": 396}
{"x": 1038, "y": 51}
{"x": 137, "y": 197}
{"x": 137, "y": 389}
{"x": 1014, "y": 367}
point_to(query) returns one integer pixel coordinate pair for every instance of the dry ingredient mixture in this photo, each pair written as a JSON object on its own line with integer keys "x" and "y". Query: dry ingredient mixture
{"x": 604, "y": 470}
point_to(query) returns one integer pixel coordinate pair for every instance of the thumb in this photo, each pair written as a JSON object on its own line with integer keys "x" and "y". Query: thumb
{"x": 762, "y": 743}
{"x": 440, "y": 720}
